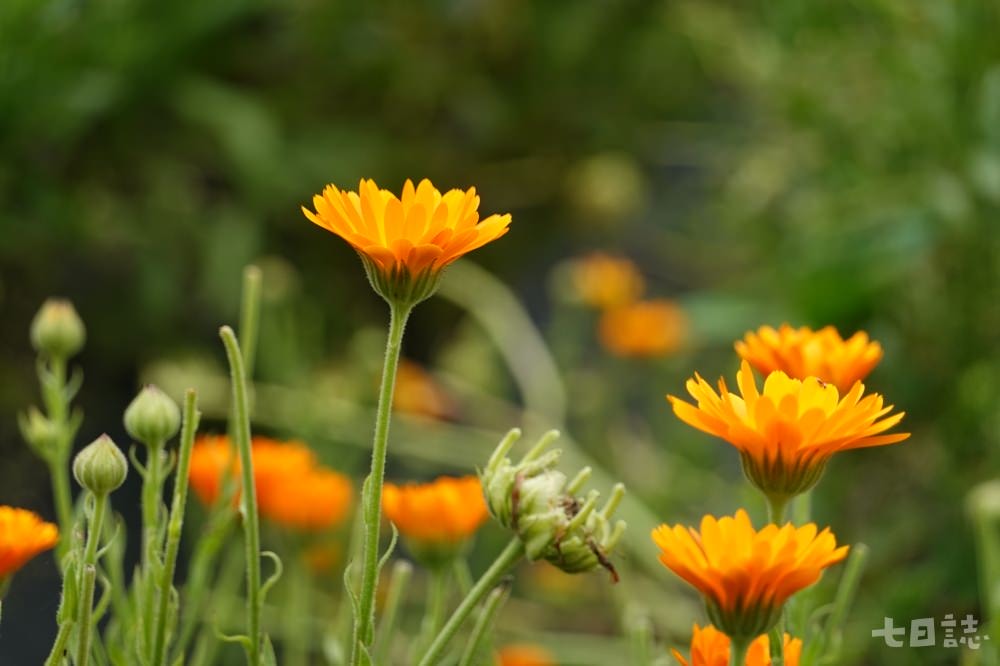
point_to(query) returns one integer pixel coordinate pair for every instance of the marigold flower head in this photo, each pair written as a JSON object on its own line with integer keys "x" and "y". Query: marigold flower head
{"x": 23, "y": 534}
{"x": 787, "y": 432}
{"x": 436, "y": 518}
{"x": 710, "y": 647}
{"x": 293, "y": 490}
{"x": 604, "y": 281}
{"x": 646, "y": 329}
{"x": 524, "y": 654}
{"x": 803, "y": 352}
{"x": 405, "y": 241}
{"x": 745, "y": 576}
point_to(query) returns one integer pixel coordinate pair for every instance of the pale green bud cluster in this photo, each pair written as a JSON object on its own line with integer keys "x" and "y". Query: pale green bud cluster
{"x": 100, "y": 467}
{"x": 540, "y": 504}
{"x": 152, "y": 417}
{"x": 57, "y": 330}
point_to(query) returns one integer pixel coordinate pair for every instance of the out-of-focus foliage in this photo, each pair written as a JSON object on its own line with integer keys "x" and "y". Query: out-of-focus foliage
{"x": 825, "y": 162}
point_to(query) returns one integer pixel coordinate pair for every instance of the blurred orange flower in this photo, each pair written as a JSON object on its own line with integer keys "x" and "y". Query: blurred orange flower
{"x": 405, "y": 237}
{"x": 23, "y": 535}
{"x": 646, "y": 329}
{"x": 604, "y": 281}
{"x": 439, "y": 516}
{"x": 710, "y": 647}
{"x": 786, "y": 434}
{"x": 293, "y": 490}
{"x": 418, "y": 393}
{"x": 802, "y": 352}
{"x": 523, "y": 654}
{"x": 745, "y": 576}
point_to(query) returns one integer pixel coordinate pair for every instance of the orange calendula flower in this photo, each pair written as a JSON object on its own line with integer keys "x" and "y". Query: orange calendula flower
{"x": 23, "y": 534}
{"x": 405, "y": 241}
{"x": 788, "y": 432}
{"x": 803, "y": 352}
{"x": 745, "y": 576}
{"x": 646, "y": 329}
{"x": 293, "y": 490}
{"x": 436, "y": 518}
{"x": 523, "y": 654}
{"x": 710, "y": 647}
{"x": 605, "y": 281}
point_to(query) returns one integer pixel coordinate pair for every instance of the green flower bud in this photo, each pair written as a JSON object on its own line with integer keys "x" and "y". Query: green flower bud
{"x": 39, "y": 431}
{"x": 101, "y": 466}
{"x": 153, "y": 417}
{"x": 57, "y": 329}
{"x": 539, "y": 504}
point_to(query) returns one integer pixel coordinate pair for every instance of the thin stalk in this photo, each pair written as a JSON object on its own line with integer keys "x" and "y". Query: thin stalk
{"x": 776, "y": 643}
{"x": 57, "y": 405}
{"x": 58, "y": 653}
{"x": 462, "y": 575}
{"x": 298, "y": 616}
{"x": 434, "y": 609}
{"x": 364, "y": 623}
{"x": 88, "y": 576}
{"x": 484, "y": 623}
{"x": 398, "y": 582}
{"x": 176, "y": 525}
{"x": 776, "y": 507}
{"x": 248, "y": 497}
{"x": 738, "y": 653}
{"x": 510, "y": 555}
{"x": 250, "y": 316}
{"x": 152, "y": 494}
{"x": 846, "y": 590}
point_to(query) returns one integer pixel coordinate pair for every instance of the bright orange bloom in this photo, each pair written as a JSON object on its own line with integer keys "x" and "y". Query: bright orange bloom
{"x": 745, "y": 576}
{"x": 646, "y": 329}
{"x": 415, "y": 234}
{"x": 524, "y": 655}
{"x": 710, "y": 647}
{"x": 802, "y": 352}
{"x": 293, "y": 490}
{"x": 417, "y": 393}
{"x": 437, "y": 517}
{"x": 605, "y": 281}
{"x": 23, "y": 534}
{"x": 786, "y": 434}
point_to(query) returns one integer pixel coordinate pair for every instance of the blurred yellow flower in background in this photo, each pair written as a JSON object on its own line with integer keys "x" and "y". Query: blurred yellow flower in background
{"x": 645, "y": 329}
{"x": 604, "y": 281}
{"x": 745, "y": 576}
{"x": 417, "y": 392}
{"x": 710, "y": 647}
{"x": 524, "y": 654}
{"x": 23, "y": 535}
{"x": 803, "y": 352}
{"x": 788, "y": 432}
{"x": 293, "y": 489}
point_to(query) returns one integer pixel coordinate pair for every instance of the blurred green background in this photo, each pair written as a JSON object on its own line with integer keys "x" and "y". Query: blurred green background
{"x": 817, "y": 163}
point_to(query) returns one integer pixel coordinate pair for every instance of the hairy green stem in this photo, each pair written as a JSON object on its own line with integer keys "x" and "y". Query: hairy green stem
{"x": 152, "y": 494}
{"x": 248, "y": 490}
{"x": 58, "y": 653}
{"x": 484, "y": 622}
{"x": 88, "y": 575}
{"x": 176, "y": 524}
{"x": 57, "y": 404}
{"x": 364, "y": 623}
{"x": 510, "y": 555}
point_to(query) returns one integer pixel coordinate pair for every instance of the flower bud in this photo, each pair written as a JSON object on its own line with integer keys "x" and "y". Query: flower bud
{"x": 153, "y": 417}
{"x": 540, "y": 505}
{"x": 39, "y": 431}
{"x": 57, "y": 329}
{"x": 101, "y": 466}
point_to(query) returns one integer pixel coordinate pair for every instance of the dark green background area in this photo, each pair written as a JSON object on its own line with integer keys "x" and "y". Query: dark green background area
{"x": 823, "y": 162}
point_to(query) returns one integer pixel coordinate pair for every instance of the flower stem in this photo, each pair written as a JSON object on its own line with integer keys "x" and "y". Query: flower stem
{"x": 152, "y": 498}
{"x": 88, "y": 575}
{"x": 776, "y": 507}
{"x": 400, "y": 580}
{"x": 364, "y": 623}
{"x": 248, "y": 492}
{"x": 176, "y": 524}
{"x": 56, "y": 400}
{"x": 776, "y": 643}
{"x": 738, "y": 652}
{"x": 511, "y": 554}
{"x": 434, "y": 610}
{"x": 484, "y": 623}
